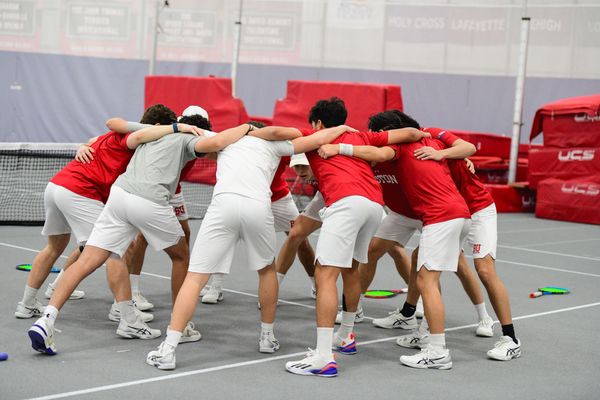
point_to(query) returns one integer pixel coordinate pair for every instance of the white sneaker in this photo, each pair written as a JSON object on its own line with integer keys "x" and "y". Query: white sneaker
{"x": 313, "y": 364}
{"x": 268, "y": 343}
{"x": 204, "y": 290}
{"x": 23, "y": 311}
{"x": 505, "y": 349}
{"x": 190, "y": 334}
{"x": 115, "y": 314}
{"x": 395, "y": 320}
{"x": 213, "y": 295}
{"x": 485, "y": 327}
{"x": 414, "y": 340}
{"x": 420, "y": 311}
{"x": 141, "y": 302}
{"x": 345, "y": 345}
{"x": 429, "y": 358}
{"x": 313, "y": 292}
{"x": 42, "y": 337}
{"x": 358, "y": 318}
{"x": 76, "y": 295}
{"x": 138, "y": 330}
{"x": 162, "y": 358}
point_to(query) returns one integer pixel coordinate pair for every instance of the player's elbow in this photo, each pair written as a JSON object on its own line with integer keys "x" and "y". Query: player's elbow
{"x": 470, "y": 149}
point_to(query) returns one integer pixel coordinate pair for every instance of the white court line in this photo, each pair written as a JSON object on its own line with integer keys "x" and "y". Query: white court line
{"x": 560, "y": 242}
{"x": 265, "y": 360}
{"x": 549, "y": 252}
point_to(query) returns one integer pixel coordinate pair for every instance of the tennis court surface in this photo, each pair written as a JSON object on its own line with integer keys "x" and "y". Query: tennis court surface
{"x": 559, "y": 333}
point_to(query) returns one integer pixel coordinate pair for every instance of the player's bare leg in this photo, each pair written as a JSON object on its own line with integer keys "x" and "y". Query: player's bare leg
{"x": 180, "y": 258}
{"x": 303, "y": 226}
{"x": 45, "y": 259}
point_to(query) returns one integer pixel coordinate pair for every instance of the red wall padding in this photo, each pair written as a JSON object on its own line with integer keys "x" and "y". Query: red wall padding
{"x": 511, "y": 199}
{"x": 563, "y": 163}
{"x": 362, "y": 100}
{"x": 575, "y": 200}
{"x": 211, "y": 93}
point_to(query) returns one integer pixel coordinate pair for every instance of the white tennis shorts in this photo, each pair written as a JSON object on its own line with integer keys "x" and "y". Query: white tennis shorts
{"x": 230, "y": 219}
{"x": 178, "y": 204}
{"x": 68, "y": 212}
{"x": 125, "y": 214}
{"x": 440, "y": 244}
{"x": 313, "y": 208}
{"x": 348, "y": 227}
{"x": 398, "y": 228}
{"x": 483, "y": 235}
{"x": 285, "y": 213}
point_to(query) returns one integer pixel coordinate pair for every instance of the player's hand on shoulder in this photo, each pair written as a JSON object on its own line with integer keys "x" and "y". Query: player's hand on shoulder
{"x": 85, "y": 154}
{"x": 470, "y": 165}
{"x": 328, "y": 150}
{"x": 428, "y": 153}
{"x": 191, "y": 129}
{"x": 425, "y": 134}
{"x": 349, "y": 128}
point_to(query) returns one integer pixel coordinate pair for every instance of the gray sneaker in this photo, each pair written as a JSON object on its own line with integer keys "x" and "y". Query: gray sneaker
{"x": 395, "y": 320}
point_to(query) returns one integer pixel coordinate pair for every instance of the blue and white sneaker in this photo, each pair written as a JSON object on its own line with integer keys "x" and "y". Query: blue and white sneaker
{"x": 346, "y": 345}
{"x": 314, "y": 364}
{"x": 42, "y": 337}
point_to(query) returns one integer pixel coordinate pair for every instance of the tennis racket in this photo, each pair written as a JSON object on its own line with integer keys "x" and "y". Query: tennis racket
{"x": 546, "y": 290}
{"x": 384, "y": 293}
{"x": 27, "y": 267}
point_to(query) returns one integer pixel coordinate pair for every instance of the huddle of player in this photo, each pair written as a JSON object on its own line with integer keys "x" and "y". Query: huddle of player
{"x": 419, "y": 174}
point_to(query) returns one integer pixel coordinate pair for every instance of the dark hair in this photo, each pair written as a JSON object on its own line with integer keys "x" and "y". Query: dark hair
{"x": 158, "y": 114}
{"x": 196, "y": 120}
{"x": 330, "y": 112}
{"x": 391, "y": 119}
{"x": 256, "y": 124}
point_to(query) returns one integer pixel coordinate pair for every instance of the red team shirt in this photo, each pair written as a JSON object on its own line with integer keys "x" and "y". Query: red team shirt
{"x": 470, "y": 187}
{"x": 341, "y": 177}
{"x": 279, "y": 186}
{"x": 427, "y": 185}
{"x": 393, "y": 193}
{"x": 94, "y": 180}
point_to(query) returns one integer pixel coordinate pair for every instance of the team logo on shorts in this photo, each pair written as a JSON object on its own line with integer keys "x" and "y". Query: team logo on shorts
{"x": 179, "y": 210}
{"x": 476, "y": 248}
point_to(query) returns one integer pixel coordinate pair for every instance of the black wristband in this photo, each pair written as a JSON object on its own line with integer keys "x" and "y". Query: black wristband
{"x": 250, "y": 129}
{"x": 174, "y": 125}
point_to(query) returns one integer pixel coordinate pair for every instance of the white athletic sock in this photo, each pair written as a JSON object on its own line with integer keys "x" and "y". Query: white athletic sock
{"x": 135, "y": 282}
{"x": 280, "y": 277}
{"x": 29, "y": 295}
{"x": 53, "y": 284}
{"x": 50, "y": 313}
{"x": 347, "y": 324}
{"x": 266, "y": 329}
{"x": 173, "y": 338}
{"x": 437, "y": 341}
{"x": 360, "y": 300}
{"x": 481, "y": 311}
{"x": 217, "y": 280}
{"x": 127, "y": 311}
{"x": 325, "y": 341}
{"x": 424, "y": 327}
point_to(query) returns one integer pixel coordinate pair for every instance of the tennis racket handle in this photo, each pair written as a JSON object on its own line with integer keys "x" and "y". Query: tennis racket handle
{"x": 535, "y": 294}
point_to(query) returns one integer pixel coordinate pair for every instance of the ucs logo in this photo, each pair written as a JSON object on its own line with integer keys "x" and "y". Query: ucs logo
{"x": 576, "y": 155}
{"x": 588, "y": 189}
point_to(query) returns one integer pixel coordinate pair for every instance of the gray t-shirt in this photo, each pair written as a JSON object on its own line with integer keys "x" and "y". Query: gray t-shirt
{"x": 154, "y": 169}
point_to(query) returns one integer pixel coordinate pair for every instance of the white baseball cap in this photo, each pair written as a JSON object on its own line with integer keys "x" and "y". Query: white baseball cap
{"x": 194, "y": 110}
{"x": 299, "y": 159}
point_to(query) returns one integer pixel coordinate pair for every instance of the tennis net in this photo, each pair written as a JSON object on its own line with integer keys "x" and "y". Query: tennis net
{"x": 26, "y": 169}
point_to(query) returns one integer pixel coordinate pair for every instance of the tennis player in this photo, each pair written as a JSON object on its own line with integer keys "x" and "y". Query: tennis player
{"x": 240, "y": 212}
{"x": 139, "y": 200}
